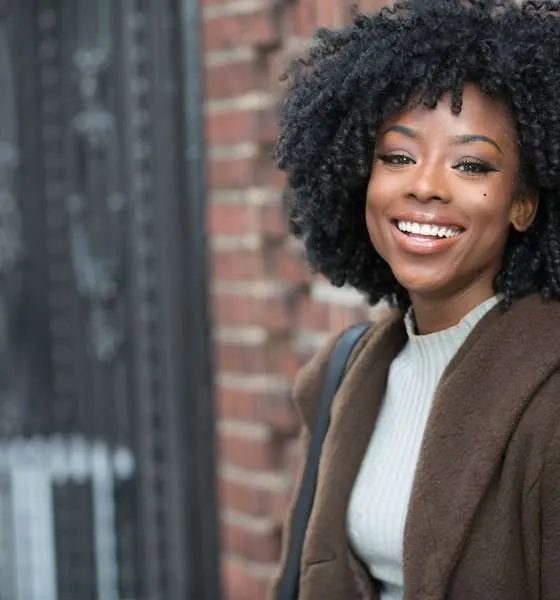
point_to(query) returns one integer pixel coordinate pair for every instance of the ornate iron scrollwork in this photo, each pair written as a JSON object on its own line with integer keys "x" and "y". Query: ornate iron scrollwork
{"x": 96, "y": 208}
{"x": 11, "y": 245}
{"x": 12, "y": 408}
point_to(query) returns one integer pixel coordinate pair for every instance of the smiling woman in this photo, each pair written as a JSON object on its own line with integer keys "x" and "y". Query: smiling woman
{"x": 422, "y": 149}
{"x": 443, "y": 194}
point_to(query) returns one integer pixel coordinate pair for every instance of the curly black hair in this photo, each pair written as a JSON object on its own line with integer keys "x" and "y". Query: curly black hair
{"x": 407, "y": 55}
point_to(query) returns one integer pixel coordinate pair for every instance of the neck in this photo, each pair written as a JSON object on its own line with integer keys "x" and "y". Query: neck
{"x": 432, "y": 314}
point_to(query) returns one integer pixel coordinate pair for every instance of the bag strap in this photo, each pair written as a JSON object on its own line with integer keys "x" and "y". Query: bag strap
{"x": 288, "y": 587}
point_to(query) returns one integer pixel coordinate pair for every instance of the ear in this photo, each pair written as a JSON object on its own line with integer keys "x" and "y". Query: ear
{"x": 524, "y": 210}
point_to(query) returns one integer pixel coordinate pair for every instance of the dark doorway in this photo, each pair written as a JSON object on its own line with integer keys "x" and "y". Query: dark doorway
{"x": 106, "y": 453}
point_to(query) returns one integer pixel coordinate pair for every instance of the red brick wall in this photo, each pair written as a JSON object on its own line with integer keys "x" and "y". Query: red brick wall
{"x": 269, "y": 313}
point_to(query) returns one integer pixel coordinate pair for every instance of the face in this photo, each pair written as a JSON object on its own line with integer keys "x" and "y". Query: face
{"x": 443, "y": 195}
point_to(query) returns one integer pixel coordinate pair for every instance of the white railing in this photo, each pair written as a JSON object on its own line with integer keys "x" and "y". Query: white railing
{"x": 28, "y": 470}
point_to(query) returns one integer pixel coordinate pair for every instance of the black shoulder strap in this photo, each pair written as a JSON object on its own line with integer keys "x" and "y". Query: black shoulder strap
{"x": 289, "y": 583}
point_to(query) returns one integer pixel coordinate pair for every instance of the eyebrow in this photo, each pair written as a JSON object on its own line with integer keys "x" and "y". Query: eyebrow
{"x": 406, "y": 131}
{"x": 456, "y": 140}
{"x": 469, "y": 138}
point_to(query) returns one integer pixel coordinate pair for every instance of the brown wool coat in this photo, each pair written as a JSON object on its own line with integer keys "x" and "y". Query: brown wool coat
{"x": 484, "y": 517}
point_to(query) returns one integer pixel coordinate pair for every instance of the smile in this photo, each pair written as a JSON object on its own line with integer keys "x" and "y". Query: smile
{"x": 425, "y": 238}
{"x": 427, "y": 229}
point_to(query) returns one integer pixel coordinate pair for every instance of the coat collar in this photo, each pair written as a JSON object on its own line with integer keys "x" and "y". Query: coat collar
{"x": 478, "y": 402}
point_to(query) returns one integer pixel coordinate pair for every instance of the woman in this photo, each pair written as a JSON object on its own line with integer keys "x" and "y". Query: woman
{"x": 422, "y": 148}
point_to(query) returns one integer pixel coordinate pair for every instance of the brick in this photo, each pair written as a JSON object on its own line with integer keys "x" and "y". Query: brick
{"x": 332, "y": 14}
{"x": 342, "y": 317}
{"x": 274, "y": 313}
{"x": 267, "y": 359}
{"x": 237, "y": 358}
{"x": 265, "y": 125}
{"x": 239, "y": 405}
{"x": 273, "y": 220}
{"x": 244, "y": 498}
{"x": 279, "y": 412}
{"x": 253, "y": 499}
{"x": 233, "y": 79}
{"x": 241, "y": 583}
{"x": 273, "y": 408}
{"x": 327, "y": 316}
{"x": 242, "y": 219}
{"x": 253, "y": 545}
{"x": 301, "y": 18}
{"x": 230, "y": 219}
{"x": 277, "y": 65}
{"x": 230, "y": 127}
{"x": 238, "y": 265}
{"x": 231, "y": 173}
{"x": 269, "y": 315}
{"x": 256, "y": 28}
{"x": 368, "y": 6}
{"x": 312, "y": 315}
{"x": 291, "y": 267}
{"x": 270, "y": 261}
{"x": 244, "y": 172}
{"x": 249, "y": 453}
{"x": 241, "y": 125}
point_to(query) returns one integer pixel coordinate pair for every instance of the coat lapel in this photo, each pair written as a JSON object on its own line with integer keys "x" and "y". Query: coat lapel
{"x": 481, "y": 397}
{"x": 353, "y": 417}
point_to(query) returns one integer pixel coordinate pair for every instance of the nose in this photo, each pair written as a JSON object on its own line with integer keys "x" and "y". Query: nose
{"x": 428, "y": 182}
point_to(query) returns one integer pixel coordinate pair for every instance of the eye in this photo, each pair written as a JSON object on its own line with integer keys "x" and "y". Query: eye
{"x": 396, "y": 160}
{"x": 472, "y": 166}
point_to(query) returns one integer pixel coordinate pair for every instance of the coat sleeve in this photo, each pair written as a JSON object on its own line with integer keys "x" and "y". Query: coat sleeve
{"x": 305, "y": 397}
{"x": 550, "y": 521}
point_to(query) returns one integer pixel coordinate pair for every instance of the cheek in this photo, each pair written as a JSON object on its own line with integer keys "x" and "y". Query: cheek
{"x": 490, "y": 220}
{"x": 378, "y": 193}
{"x": 373, "y": 208}
{"x": 493, "y": 208}
{"x": 490, "y": 203}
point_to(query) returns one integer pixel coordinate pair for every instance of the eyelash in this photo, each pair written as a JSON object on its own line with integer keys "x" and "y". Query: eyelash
{"x": 396, "y": 160}
{"x": 467, "y": 166}
{"x": 475, "y": 167}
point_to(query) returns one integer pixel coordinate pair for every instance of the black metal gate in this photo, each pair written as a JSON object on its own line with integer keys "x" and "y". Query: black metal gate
{"x": 106, "y": 462}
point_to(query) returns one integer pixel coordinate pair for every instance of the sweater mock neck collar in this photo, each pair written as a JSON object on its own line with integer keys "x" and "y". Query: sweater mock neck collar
{"x": 446, "y": 342}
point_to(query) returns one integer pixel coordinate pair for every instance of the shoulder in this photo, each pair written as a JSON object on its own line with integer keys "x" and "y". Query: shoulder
{"x": 534, "y": 314}
{"x": 307, "y": 387}
{"x": 523, "y": 337}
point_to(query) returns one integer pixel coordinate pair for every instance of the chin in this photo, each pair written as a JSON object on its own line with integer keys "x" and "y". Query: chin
{"x": 426, "y": 285}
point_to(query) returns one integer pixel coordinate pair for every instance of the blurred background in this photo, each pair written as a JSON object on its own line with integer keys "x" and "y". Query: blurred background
{"x": 153, "y": 309}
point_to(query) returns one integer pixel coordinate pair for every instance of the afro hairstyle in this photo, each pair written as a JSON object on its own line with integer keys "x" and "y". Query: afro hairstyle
{"x": 406, "y": 55}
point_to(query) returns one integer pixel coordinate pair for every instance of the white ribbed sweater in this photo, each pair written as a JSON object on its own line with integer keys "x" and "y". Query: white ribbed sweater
{"x": 381, "y": 492}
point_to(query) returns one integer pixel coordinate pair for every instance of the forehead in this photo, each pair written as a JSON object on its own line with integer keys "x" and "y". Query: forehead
{"x": 480, "y": 114}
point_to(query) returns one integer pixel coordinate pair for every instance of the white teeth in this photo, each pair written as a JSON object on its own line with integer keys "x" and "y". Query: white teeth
{"x": 425, "y": 229}
{"x": 428, "y": 230}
